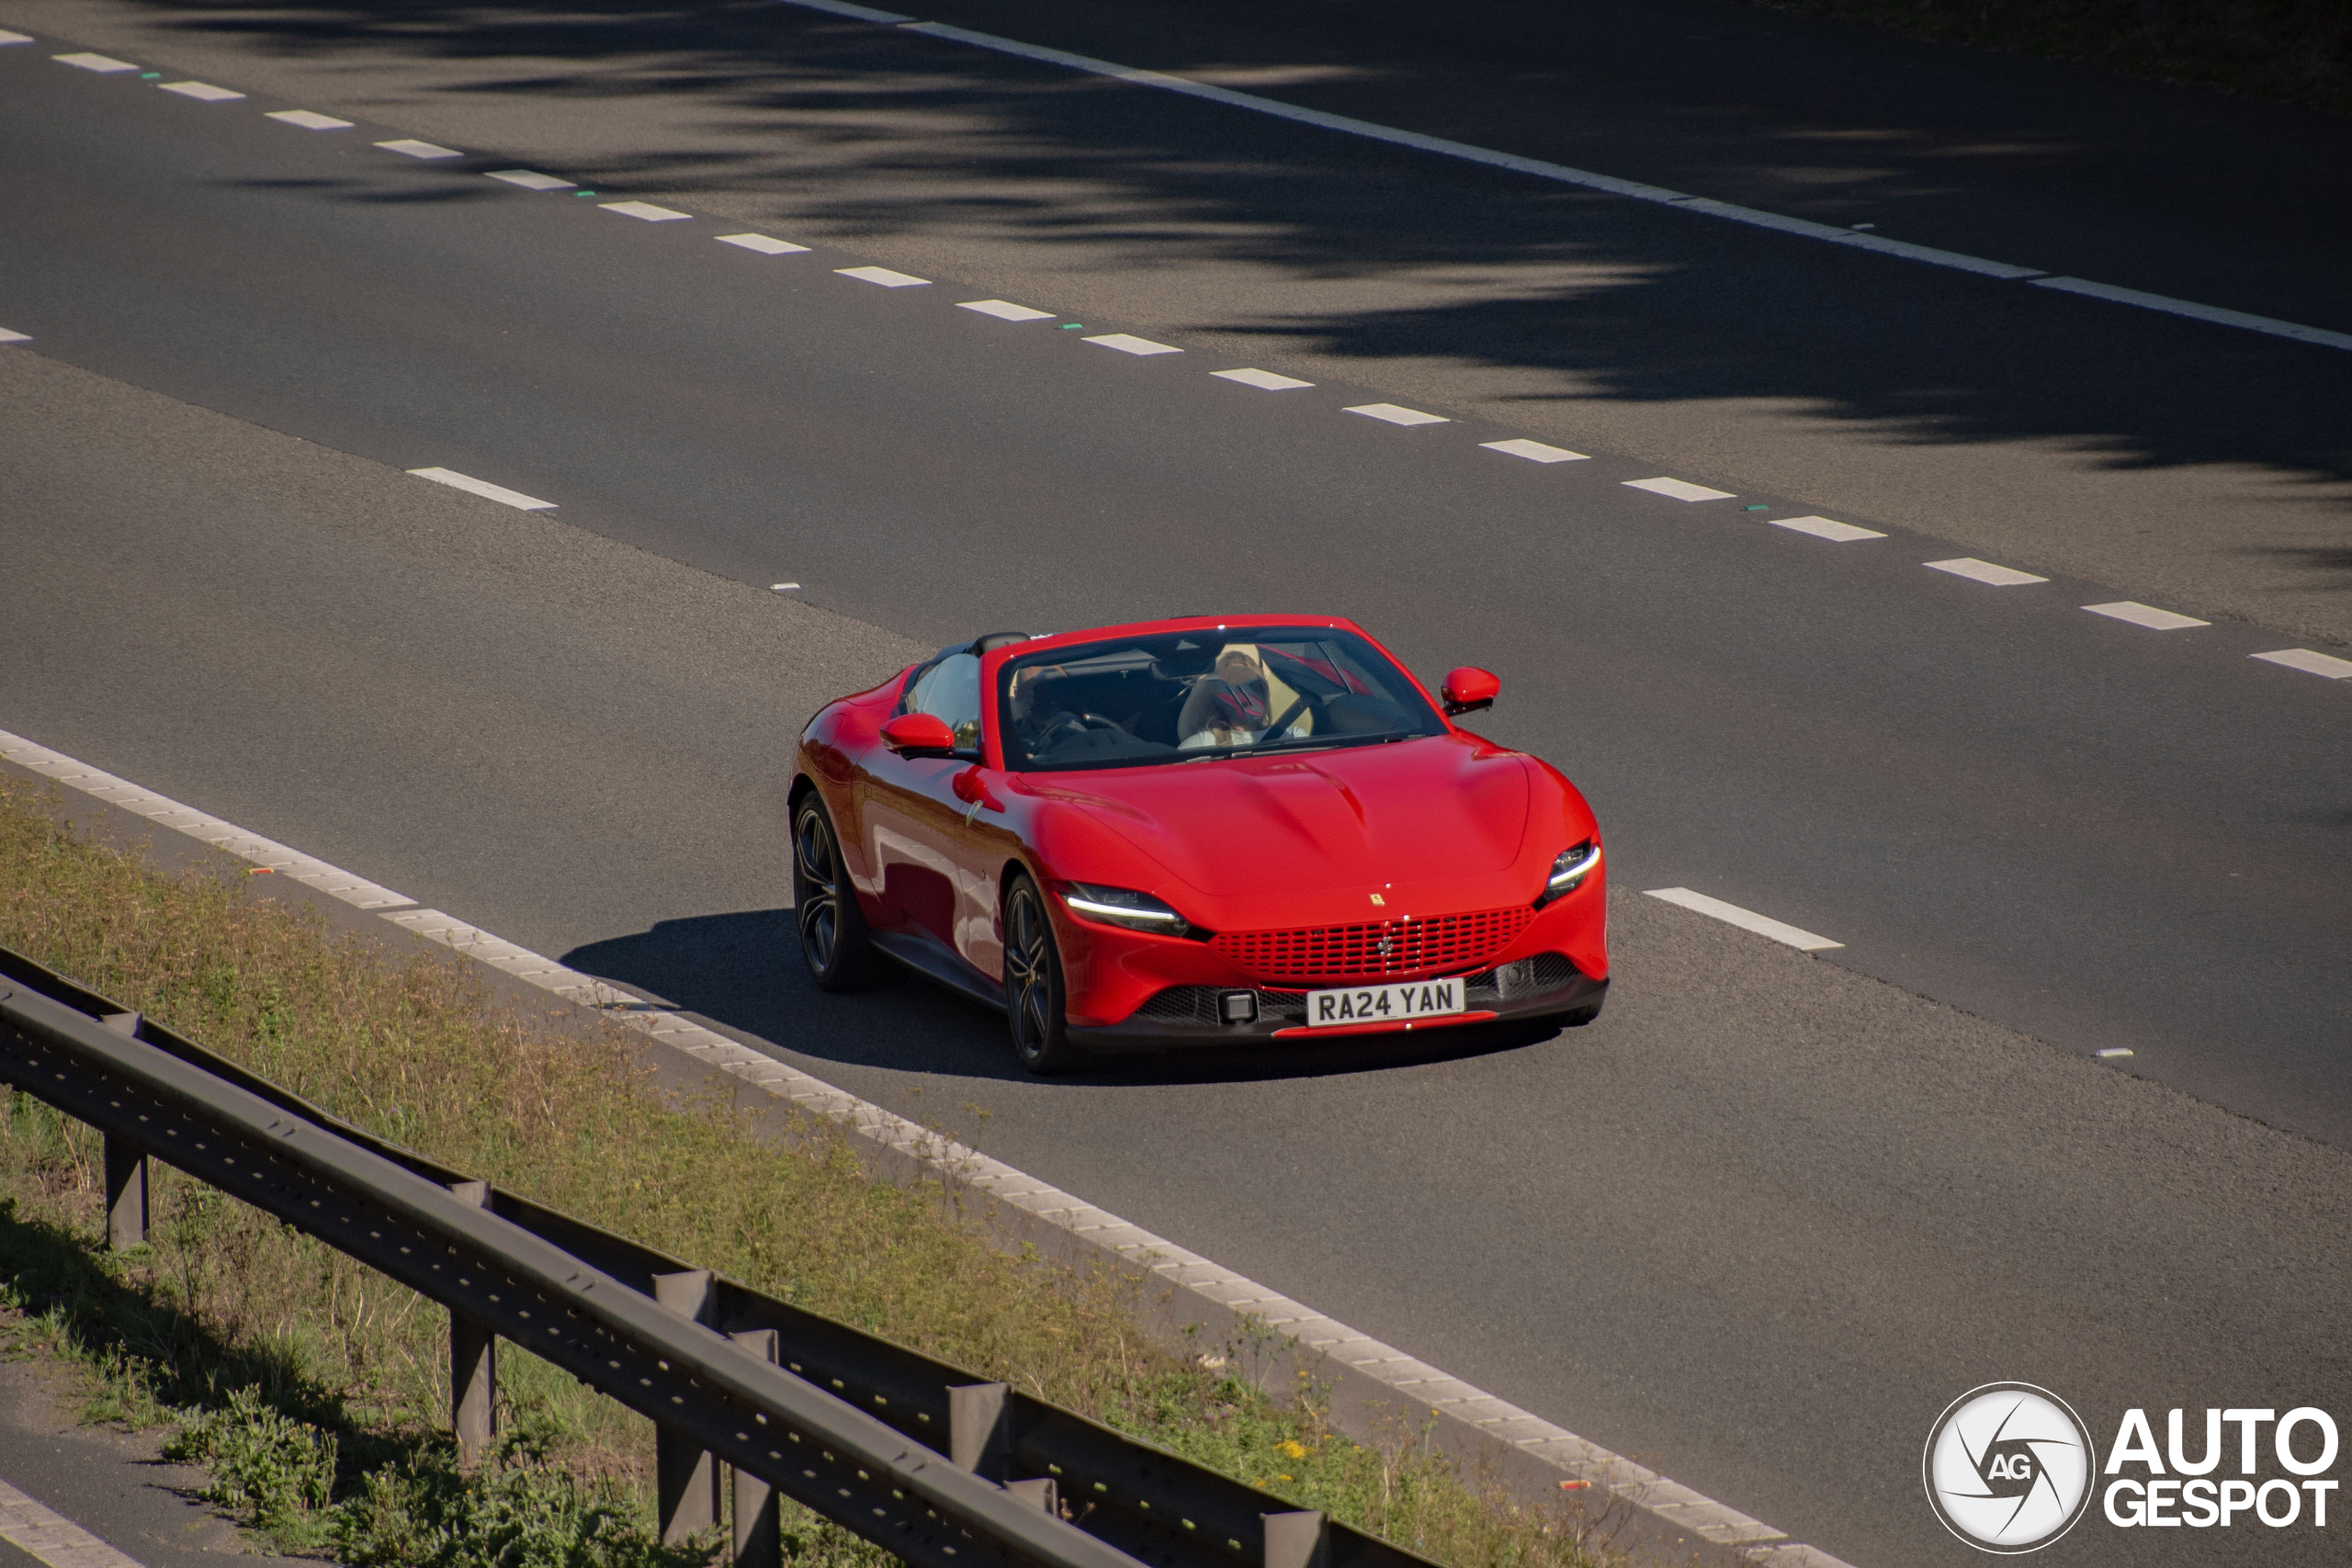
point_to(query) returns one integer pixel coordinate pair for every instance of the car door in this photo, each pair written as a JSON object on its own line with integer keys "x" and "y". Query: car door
{"x": 937, "y": 868}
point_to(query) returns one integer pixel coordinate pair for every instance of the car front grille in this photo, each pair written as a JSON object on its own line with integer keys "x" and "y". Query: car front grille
{"x": 1381, "y": 951}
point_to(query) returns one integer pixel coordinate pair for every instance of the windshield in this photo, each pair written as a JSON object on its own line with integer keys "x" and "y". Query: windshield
{"x": 1183, "y": 696}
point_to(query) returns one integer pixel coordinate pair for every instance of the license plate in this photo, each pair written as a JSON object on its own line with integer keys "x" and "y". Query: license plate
{"x": 1383, "y": 1004}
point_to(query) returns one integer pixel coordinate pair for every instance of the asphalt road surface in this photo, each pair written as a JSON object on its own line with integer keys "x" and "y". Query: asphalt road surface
{"x": 1758, "y": 1226}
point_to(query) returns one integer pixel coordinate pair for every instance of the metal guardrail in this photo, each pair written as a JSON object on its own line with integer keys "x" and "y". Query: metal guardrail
{"x": 914, "y": 1455}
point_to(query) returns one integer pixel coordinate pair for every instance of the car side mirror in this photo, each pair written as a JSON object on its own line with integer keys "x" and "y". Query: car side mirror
{"x": 1469, "y": 689}
{"x": 919, "y": 735}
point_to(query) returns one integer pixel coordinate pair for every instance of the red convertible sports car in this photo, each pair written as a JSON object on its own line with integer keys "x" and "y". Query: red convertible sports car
{"x": 1195, "y": 832}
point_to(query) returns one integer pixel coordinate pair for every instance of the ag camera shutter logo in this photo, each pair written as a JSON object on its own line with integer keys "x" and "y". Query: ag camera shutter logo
{"x": 2009, "y": 1468}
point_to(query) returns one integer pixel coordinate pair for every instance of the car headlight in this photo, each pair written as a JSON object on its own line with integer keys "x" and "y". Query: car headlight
{"x": 1572, "y": 867}
{"x": 1122, "y": 907}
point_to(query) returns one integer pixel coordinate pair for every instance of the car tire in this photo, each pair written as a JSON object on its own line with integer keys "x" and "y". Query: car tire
{"x": 832, "y": 926}
{"x": 1033, "y": 997}
{"x": 1579, "y": 1018}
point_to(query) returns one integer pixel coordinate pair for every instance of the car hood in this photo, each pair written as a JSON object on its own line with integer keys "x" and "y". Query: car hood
{"x": 1352, "y": 817}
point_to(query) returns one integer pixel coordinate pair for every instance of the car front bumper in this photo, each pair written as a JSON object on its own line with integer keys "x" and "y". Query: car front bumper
{"x": 1181, "y": 1017}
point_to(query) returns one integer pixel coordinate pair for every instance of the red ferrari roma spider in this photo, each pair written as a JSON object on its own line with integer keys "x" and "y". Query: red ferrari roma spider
{"x": 1195, "y": 832}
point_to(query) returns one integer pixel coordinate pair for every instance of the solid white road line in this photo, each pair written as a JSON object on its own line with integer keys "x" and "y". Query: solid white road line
{"x": 7, "y": 37}
{"x": 761, "y": 243}
{"x": 1677, "y": 1505}
{"x": 1678, "y": 490}
{"x": 883, "y": 276}
{"x": 1264, "y": 380}
{"x": 644, "y": 210}
{"x": 202, "y": 92}
{"x": 308, "y": 120}
{"x": 1128, "y": 343}
{"x": 1535, "y": 451}
{"x": 531, "y": 179}
{"x": 2310, "y": 663}
{"x": 483, "y": 488}
{"x": 308, "y": 870}
{"x": 7, "y": 336}
{"x": 104, "y": 64}
{"x": 1005, "y": 310}
{"x": 1393, "y": 413}
{"x": 51, "y": 1536}
{"x": 409, "y": 148}
{"x": 2146, "y": 615}
{"x": 1985, "y": 572}
{"x": 2196, "y": 312}
{"x": 1682, "y": 202}
{"x": 1745, "y": 919}
{"x": 1823, "y": 528}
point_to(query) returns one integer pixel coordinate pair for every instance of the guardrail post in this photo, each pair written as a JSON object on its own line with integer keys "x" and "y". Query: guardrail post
{"x": 759, "y": 1527}
{"x": 1295, "y": 1541}
{"x": 979, "y": 1436}
{"x": 473, "y": 1365}
{"x": 126, "y": 1170}
{"x": 686, "y": 1476}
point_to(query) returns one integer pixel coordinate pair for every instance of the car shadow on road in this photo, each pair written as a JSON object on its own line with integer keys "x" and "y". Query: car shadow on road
{"x": 743, "y": 972}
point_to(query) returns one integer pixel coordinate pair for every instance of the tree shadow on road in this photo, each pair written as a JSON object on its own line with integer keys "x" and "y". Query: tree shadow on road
{"x": 849, "y": 131}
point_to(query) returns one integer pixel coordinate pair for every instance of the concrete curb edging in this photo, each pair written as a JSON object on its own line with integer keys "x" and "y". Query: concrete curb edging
{"x": 1369, "y": 1378}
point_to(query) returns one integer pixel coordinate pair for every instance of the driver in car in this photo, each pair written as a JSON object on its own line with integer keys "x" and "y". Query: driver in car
{"x": 1230, "y": 706}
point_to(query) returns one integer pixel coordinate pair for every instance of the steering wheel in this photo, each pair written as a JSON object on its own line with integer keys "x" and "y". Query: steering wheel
{"x": 1076, "y": 723}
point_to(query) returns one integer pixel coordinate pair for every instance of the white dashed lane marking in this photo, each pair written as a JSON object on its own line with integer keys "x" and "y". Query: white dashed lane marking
{"x": 484, "y": 489}
{"x": 1264, "y": 380}
{"x": 1678, "y": 490}
{"x": 1823, "y": 528}
{"x": 2310, "y": 663}
{"x": 1005, "y": 310}
{"x": 7, "y": 336}
{"x": 1745, "y": 919}
{"x": 1128, "y": 343}
{"x": 762, "y": 244}
{"x": 1527, "y": 450}
{"x": 1535, "y": 451}
{"x": 643, "y": 210}
{"x": 883, "y": 276}
{"x": 2146, "y": 615}
{"x": 1394, "y": 414}
{"x": 1977, "y": 570}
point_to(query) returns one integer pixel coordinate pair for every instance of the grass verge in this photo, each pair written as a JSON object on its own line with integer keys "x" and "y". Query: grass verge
{"x": 314, "y": 1391}
{"x": 2296, "y": 52}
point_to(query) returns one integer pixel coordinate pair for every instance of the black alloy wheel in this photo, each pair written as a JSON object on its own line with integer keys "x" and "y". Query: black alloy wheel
{"x": 1032, "y": 983}
{"x": 824, "y": 905}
